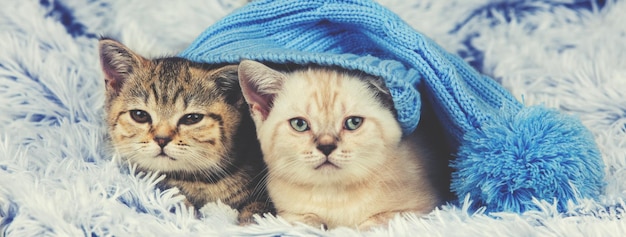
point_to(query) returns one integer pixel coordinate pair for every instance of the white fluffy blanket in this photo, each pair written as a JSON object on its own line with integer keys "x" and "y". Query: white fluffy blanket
{"x": 58, "y": 179}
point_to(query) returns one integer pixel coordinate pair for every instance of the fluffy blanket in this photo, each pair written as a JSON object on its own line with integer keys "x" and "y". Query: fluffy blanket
{"x": 57, "y": 177}
{"x": 505, "y": 154}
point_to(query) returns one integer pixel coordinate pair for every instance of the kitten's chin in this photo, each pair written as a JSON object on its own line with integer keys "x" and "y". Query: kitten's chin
{"x": 165, "y": 156}
{"x": 323, "y": 175}
{"x": 167, "y": 163}
{"x": 327, "y": 166}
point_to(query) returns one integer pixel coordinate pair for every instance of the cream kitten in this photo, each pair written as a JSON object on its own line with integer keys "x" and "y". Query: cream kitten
{"x": 334, "y": 149}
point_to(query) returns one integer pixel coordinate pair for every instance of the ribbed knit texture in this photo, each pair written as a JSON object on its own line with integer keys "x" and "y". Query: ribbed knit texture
{"x": 357, "y": 35}
{"x": 362, "y": 35}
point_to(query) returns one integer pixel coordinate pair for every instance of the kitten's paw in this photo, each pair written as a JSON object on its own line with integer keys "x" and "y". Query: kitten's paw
{"x": 246, "y": 214}
{"x": 246, "y": 220}
{"x": 308, "y": 219}
{"x": 378, "y": 220}
{"x": 189, "y": 206}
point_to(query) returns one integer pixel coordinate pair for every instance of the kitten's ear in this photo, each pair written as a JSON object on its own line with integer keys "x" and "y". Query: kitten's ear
{"x": 378, "y": 88}
{"x": 375, "y": 84}
{"x": 227, "y": 80}
{"x": 117, "y": 62}
{"x": 259, "y": 85}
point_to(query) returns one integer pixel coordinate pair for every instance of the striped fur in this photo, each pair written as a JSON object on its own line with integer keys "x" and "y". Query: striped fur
{"x": 185, "y": 120}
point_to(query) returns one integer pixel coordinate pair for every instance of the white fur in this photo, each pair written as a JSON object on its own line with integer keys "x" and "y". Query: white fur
{"x": 373, "y": 174}
{"x": 59, "y": 180}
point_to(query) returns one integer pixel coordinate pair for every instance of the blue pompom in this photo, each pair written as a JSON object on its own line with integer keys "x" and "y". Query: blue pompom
{"x": 537, "y": 152}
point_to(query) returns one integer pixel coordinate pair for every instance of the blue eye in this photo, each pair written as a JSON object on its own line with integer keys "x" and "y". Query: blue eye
{"x": 352, "y": 123}
{"x": 299, "y": 124}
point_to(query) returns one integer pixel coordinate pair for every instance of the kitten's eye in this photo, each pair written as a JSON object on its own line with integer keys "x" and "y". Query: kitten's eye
{"x": 299, "y": 124}
{"x": 189, "y": 119}
{"x": 140, "y": 116}
{"x": 352, "y": 123}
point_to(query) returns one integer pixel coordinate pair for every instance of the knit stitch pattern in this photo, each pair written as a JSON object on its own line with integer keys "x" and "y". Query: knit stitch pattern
{"x": 362, "y": 35}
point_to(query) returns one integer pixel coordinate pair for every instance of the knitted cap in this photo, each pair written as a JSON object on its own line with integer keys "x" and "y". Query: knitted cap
{"x": 359, "y": 35}
{"x": 362, "y": 35}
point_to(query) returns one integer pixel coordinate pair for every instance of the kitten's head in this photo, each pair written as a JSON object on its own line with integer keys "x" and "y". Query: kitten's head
{"x": 320, "y": 125}
{"x": 170, "y": 114}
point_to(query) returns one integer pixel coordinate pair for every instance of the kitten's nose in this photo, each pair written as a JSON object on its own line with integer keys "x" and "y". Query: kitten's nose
{"x": 327, "y": 149}
{"x": 162, "y": 141}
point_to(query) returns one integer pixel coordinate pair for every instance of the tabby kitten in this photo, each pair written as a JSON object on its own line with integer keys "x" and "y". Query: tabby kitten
{"x": 334, "y": 149}
{"x": 185, "y": 120}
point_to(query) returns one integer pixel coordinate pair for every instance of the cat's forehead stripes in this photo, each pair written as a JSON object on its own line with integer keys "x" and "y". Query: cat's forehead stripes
{"x": 331, "y": 81}
{"x": 169, "y": 79}
{"x": 172, "y": 80}
{"x": 137, "y": 91}
{"x": 326, "y": 95}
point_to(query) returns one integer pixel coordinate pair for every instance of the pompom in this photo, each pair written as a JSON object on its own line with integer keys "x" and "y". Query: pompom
{"x": 536, "y": 153}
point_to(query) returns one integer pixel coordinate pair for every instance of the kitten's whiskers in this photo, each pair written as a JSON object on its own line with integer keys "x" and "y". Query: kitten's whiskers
{"x": 259, "y": 190}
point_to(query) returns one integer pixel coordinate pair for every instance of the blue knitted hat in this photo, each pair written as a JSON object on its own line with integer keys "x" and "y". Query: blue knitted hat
{"x": 506, "y": 154}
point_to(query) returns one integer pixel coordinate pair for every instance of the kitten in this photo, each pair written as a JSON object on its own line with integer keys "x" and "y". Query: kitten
{"x": 188, "y": 121}
{"x": 334, "y": 149}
